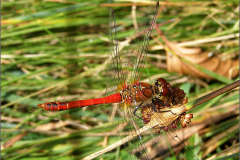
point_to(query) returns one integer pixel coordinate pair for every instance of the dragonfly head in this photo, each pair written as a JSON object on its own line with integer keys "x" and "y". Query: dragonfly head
{"x": 162, "y": 88}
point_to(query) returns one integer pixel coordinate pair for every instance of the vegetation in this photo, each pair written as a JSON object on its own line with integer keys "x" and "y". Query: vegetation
{"x": 42, "y": 42}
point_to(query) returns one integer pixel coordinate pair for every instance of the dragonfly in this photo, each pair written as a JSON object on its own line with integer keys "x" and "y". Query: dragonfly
{"x": 135, "y": 101}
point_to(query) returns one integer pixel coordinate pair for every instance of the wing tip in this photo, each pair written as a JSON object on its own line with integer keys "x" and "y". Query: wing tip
{"x": 112, "y": 12}
{"x": 157, "y": 5}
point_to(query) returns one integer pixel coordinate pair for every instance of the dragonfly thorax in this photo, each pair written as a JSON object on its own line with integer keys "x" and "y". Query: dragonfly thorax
{"x": 137, "y": 92}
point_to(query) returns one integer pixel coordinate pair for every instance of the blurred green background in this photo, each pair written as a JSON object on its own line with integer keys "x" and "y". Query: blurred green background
{"x": 42, "y": 42}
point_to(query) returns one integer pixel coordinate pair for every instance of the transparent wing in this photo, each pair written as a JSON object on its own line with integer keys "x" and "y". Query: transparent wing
{"x": 135, "y": 53}
{"x": 132, "y": 57}
{"x": 114, "y": 71}
{"x": 127, "y": 125}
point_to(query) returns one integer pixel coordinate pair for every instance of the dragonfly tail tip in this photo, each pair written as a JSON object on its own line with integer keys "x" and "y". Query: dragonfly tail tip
{"x": 41, "y": 105}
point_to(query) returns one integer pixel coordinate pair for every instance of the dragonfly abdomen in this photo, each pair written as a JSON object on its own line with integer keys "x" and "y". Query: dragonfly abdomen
{"x": 61, "y": 106}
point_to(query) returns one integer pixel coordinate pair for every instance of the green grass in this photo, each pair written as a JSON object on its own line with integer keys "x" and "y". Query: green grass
{"x": 39, "y": 36}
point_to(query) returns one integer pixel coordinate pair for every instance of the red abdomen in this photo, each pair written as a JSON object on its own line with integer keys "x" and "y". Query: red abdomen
{"x": 60, "y": 106}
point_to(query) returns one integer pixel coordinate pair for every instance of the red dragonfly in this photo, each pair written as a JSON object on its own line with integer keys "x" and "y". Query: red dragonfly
{"x": 134, "y": 98}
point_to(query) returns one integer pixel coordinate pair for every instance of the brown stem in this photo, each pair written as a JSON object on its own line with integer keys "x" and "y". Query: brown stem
{"x": 212, "y": 95}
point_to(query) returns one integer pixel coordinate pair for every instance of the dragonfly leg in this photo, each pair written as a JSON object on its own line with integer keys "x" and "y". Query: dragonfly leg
{"x": 163, "y": 104}
{"x": 167, "y": 101}
{"x": 134, "y": 112}
{"x": 154, "y": 107}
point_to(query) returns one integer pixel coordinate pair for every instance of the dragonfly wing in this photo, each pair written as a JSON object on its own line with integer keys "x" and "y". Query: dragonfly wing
{"x": 114, "y": 71}
{"x": 133, "y": 56}
{"x": 127, "y": 124}
{"x": 137, "y": 50}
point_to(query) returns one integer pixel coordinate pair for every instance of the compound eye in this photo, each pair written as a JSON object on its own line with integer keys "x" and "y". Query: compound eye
{"x": 162, "y": 81}
{"x": 165, "y": 91}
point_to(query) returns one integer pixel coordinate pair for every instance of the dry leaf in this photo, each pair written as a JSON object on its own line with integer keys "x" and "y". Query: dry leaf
{"x": 225, "y": 68}
{"x": 11, "y": 142}
{"x": 195, "y": 55}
